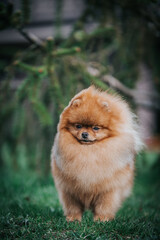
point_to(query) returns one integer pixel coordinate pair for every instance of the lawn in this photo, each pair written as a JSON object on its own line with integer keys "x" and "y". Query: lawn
{"x": 29, "y": 209}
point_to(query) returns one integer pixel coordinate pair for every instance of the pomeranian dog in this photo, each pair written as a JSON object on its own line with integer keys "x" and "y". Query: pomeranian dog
{"x": 93, "y": 154}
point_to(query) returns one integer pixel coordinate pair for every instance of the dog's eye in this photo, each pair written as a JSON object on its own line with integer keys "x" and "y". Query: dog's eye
{"x": 96, "y": 128}
{"x": 78, "y": 126}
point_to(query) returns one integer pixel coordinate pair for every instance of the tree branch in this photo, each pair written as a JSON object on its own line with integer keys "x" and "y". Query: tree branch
{"x": 116, "y": 84}
{"x": 154, "y": 99}
{"x": 30, "y": 37}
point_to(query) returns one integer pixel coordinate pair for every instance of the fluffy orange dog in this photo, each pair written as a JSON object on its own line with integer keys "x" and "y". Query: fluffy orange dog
{"x": 93, "y": 154}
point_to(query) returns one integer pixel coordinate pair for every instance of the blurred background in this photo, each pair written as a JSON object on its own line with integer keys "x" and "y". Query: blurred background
{"x": 50, "y": 50}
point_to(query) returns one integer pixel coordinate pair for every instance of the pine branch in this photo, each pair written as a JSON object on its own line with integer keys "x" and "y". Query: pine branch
{"x": 36, "y": 70}
{"x": 54, "y": 82}
{"x": 65, "y": 51}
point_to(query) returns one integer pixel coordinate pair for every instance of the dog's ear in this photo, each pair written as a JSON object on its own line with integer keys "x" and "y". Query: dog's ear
{"x": 106, "y": 106}
{"x": 76, "y": 102}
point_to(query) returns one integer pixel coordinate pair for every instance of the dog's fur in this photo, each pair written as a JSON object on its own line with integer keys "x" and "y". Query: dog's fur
{"x": 93, "y": 154}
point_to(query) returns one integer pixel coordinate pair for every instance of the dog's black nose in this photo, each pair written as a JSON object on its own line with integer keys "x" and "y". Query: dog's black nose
{"x": 85, "y": 135}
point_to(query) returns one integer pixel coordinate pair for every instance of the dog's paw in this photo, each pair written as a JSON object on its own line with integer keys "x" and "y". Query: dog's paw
{"x": 103, "y": 218}
{"x": 71, "y": 218}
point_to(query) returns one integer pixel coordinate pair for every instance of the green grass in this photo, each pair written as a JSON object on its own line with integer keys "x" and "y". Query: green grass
{"x": 29, "y": 209}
